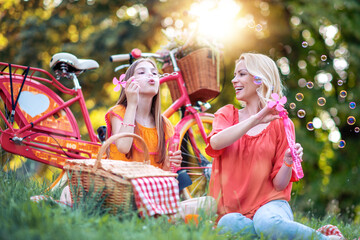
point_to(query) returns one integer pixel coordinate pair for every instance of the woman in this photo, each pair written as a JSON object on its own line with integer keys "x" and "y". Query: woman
{"x": 252, "y": 171}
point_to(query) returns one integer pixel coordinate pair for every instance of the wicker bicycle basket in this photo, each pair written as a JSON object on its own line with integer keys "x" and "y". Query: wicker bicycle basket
{"x": 200, "y": 75}
{"x": 110, "y": 178}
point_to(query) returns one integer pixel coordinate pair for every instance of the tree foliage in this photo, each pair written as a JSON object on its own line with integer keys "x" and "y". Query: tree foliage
{"x": 311, "y": 41}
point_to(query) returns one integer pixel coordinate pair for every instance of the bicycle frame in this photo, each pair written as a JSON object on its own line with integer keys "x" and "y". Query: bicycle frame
{"x": 184, "y": 100}
{"x": 50, "y": 135}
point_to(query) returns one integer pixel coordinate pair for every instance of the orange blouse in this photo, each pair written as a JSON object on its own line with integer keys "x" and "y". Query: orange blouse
{"x": 242, "y": 173}
{"x": 148, "y": 134}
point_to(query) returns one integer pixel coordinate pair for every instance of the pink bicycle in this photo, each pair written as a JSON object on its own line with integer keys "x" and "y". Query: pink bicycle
{"x": 38, "y": 124}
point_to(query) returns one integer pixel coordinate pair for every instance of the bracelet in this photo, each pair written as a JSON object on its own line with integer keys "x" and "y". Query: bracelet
{"x": 127, "y": 124}
{"x": 288, "y": 165}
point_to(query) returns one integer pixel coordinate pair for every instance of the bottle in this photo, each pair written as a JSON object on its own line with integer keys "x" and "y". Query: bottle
{"x": 173, "y": 147}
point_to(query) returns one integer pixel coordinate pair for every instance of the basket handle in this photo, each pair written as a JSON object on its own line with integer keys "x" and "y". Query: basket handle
{"x": 112, "y": 139}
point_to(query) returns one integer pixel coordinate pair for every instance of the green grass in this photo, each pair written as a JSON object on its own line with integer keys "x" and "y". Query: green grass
{"x": 22, "y": 219}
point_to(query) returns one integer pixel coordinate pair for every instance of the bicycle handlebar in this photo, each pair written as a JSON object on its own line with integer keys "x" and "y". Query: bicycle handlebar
{"x": 135, "y": 53}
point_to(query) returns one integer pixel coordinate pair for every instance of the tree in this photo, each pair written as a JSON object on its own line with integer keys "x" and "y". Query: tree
{"x": 314, "y": 43}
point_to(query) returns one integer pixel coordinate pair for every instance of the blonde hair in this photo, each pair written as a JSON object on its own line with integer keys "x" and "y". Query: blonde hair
{"x": 264, "y": 67}
{"x": 155, "y": 110}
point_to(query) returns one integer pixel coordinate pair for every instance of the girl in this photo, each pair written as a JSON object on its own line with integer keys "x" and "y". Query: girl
{"x": 252, "y": 169}
{"x": 138, "y": 110}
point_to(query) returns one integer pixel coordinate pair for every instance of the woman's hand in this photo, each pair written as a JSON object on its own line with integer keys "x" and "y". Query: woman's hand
{"x": 132, "y": 91}
{"x": 266, "y": 115}
{"x": 298, "y": 151}
{"x": 175, "y": 159}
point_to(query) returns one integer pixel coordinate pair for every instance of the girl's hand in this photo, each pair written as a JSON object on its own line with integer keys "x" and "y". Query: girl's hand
{"x": 175, "y": 159}
{"x": 266, "y": 115}
{"x": 132, "y": 91}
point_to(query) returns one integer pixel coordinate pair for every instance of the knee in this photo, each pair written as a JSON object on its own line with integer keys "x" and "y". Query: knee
{"x": 227, "y": 219}
{"x": 268, "y": 226}
{"x": 236, "y": 223}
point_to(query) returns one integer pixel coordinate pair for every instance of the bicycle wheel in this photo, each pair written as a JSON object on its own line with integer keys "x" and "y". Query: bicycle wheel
{"x": 193, "y": 153}
{"x": 22, "y": 166}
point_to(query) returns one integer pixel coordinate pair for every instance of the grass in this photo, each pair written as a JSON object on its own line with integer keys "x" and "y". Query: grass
{"x": 22, "y": 219}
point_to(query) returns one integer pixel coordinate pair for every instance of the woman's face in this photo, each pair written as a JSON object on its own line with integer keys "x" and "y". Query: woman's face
{"x": 243, "y": 82}
{"x": 147, "y": 77}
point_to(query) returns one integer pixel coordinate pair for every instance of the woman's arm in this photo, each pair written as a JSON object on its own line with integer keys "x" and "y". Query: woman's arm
{"x": 229, "y": 135}
{"x": 282, "y": 178}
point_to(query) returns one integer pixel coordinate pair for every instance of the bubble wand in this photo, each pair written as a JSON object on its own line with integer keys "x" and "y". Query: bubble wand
{"x": 290, "y": 135}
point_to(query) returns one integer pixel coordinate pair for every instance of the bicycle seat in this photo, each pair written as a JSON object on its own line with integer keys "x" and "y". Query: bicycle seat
{"x": 73, "y": 61}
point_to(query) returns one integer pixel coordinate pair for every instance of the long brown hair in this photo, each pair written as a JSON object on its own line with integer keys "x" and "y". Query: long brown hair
{"x": 155, "y": 110}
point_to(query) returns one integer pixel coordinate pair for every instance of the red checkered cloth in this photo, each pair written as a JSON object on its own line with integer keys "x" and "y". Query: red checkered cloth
{"x": 39, "y": 198}
{"x": 156, "y": 195}
{"x": 328, "y": 230}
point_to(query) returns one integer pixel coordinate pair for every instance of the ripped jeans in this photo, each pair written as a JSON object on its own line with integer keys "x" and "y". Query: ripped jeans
{"x": 274, "y": 220}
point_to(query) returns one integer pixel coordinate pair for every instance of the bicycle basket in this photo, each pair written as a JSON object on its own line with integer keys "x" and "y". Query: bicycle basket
{"x": 200, "y": 75}
{"x": 112, "y": 179}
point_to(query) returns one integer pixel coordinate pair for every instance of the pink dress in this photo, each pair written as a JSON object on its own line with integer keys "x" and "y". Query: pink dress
{"x": 242, "y": 173}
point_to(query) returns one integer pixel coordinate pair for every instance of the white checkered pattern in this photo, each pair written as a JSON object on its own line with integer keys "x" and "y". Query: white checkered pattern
{"x": 329, "y": 230}
{"x": 39, "y": 198}
{"x": 156, "y": 195}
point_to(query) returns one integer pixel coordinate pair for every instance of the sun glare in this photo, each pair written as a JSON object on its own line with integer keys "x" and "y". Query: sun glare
{"x": 216, "y": 18}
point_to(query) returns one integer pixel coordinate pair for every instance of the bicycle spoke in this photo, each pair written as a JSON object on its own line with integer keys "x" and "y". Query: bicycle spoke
{"x": 194, "y": 155}
{"x": 197, "y": 185}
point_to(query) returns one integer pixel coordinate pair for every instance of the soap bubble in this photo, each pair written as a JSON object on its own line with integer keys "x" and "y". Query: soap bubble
{"x": 323, "y": 58}
{"x": 342, "y": 144}
{"x": 301, "y": 113}
{"x": 340, "y": 82}
{"x": 292, "y": 105}
{"x": 357, "y": 129}
{"x": 259, "y": 27}
{"x": 310, "y": 126}
{"x": 352, "y": 105}
{"x": 343, "y": 93}
{"x": 310, "y": 85}
{"x": 351, "y": 120}
{"x": 299, "y": 97}
{"x": 257, "y": 80}
{"x": 305, "y": 44}
{"x": 321, "y": 101}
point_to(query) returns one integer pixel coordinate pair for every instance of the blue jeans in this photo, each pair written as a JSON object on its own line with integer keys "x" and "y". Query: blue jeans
{"x": 274, "y": 220}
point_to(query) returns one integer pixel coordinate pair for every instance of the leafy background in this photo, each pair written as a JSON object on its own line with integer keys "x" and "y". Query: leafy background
{"x": 311, "y": 41}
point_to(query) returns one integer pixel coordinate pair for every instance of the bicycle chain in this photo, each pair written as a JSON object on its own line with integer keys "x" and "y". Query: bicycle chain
{"x": 168, "y": 74}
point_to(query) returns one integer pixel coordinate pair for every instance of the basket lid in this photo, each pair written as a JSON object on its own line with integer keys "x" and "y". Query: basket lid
{"x": 123, "y": 169}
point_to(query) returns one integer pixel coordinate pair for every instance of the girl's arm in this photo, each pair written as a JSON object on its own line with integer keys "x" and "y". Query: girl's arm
{"x": 229, "y": 135}
{"x": 125, "y": 126}
{"x": 128, "y": 123}
{"x": 282, "y": 178}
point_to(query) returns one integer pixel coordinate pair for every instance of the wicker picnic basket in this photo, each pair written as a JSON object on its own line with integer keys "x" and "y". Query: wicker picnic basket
{"x": 200, "y": 75}
{"x": 110, "y": 178}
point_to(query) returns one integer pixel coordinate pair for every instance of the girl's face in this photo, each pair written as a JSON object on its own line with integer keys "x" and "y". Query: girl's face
{"x": 147, "y": 77}
{"x": 244, "y": 85}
